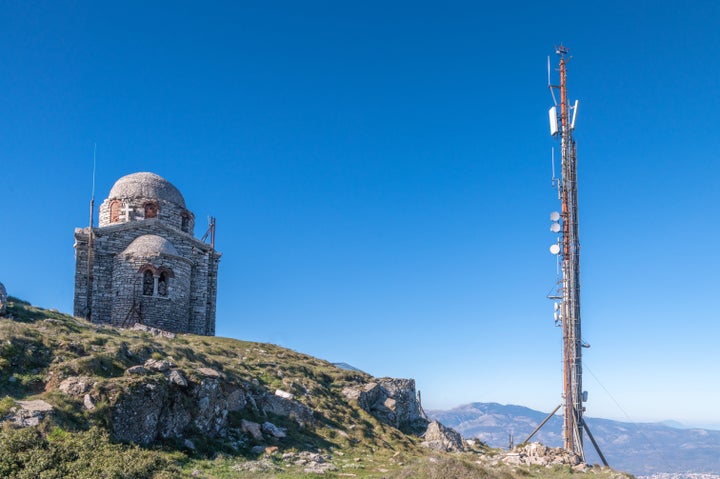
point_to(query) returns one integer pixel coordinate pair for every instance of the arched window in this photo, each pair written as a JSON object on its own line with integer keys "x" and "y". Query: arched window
{"x": 115, "y": 211}
{"x": 185, "y": 226}
{"x": 151, "y": 210}
{"x": 163, "y": 284}
{"x": 148, "y": 283}
{"x": 155, "y": 281}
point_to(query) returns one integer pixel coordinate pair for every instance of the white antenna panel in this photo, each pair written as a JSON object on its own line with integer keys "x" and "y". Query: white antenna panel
{"x": 549, "y": 85}
{"x": 552, "y": 114}
{"x": 575, "y": 108}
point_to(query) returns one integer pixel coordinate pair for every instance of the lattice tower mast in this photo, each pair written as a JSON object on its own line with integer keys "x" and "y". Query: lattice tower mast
{"x": 570, "y": 284}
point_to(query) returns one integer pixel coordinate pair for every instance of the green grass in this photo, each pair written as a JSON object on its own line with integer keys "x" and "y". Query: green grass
{"x": 28, "y": 454}
{"x": 40, "y": 348}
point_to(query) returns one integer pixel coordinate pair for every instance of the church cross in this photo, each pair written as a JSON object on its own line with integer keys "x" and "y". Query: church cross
{"x": 126, "y": 210}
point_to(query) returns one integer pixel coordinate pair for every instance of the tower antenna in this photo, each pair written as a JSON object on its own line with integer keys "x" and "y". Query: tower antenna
{"x": 93, "y": 175}
{"x": 567, "y": 248}
{"x": 91, "y": 242}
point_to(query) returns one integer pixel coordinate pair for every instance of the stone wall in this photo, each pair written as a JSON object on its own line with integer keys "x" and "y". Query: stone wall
{"x": 131, "y": 305}
{"x": 193, "y": 288}
{"x": 3, "y": 299}
{"x": 80, "y": 302}
{"x": 167, "y": 212}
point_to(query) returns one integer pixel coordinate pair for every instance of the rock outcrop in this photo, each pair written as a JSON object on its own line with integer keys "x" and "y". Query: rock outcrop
{"x": 540, "y": 455}
{"x": 165, "y": 409}
{"x": 28, "y": 413}
{"x": 392, "y": 401}
{"x": 441, "y": 438}
{"x": 280, "y": 406}
{"x": 156, "y": 400}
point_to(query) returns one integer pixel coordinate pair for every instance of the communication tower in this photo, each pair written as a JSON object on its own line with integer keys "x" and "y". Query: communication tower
{"x": 567, "y": 248}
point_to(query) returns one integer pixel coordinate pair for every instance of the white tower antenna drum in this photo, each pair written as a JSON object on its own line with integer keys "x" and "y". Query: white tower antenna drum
{"x": 574, "y": 109}
{"x": 552, "y": 116}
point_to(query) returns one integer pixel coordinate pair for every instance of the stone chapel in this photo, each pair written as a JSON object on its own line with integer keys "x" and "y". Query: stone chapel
{"x": 142, "y": 264}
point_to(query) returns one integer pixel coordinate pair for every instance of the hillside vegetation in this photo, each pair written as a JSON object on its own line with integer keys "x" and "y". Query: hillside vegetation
{"x": 133, "y": 404}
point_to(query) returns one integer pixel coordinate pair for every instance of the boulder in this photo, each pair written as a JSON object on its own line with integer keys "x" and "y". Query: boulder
{"x": 441, "y": 438}
{"x": 136, "y": 370}
{"x": 280, "y": 406}
{"x": 177, "y": 378}
{"x": 88, "y": 402}
{"x": 30, "y": 413}
{"x": 273, "y": 430}
{"x": 252, "y": 428}
{"x": 283, "y": 394}
{"x": 209, "y": 373}
{"x": 153, "y": 331}
{"x": 76, "y": 385}
{"x": 161, "y": 365}
{"x": 392, "y": 401}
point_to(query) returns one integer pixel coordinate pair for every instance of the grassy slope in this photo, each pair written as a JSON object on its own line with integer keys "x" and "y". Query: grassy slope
{"x": 39, "y": 348}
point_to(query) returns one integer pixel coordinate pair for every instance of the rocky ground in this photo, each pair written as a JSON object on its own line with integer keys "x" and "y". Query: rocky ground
{"x": 182, "y": 405}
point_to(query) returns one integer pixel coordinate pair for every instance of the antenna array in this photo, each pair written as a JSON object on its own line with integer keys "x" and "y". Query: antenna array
{"x": 567, "y": 248}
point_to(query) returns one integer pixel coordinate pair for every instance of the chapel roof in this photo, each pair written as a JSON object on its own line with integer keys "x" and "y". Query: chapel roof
{"x": 147, "y": 246}
{"x": 146, "y": 185}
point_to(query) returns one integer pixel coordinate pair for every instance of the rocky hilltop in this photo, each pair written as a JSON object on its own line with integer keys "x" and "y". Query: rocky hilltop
{"x": 79, "y": 398}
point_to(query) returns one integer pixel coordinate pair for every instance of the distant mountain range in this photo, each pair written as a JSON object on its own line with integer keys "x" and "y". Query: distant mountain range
{"x": 640, "y": 449}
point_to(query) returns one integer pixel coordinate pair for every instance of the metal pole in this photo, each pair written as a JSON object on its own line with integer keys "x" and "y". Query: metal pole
{"x": 90, "y": 257}
{"x": 90, "y": 246}
{"x": 597, "y": 448}
{"x": 541, "y": 424}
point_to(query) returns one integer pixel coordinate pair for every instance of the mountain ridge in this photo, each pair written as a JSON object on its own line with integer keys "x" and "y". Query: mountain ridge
{"x": 639, "y": 448}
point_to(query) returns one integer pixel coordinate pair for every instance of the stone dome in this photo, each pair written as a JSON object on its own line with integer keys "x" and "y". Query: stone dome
{"x": 147, "y": 246}
{"x": 146, "y": 185}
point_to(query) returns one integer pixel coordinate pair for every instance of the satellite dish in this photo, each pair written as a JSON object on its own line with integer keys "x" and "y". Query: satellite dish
{"x": 555, "y": 227}
{"x": 555, "y": 249}
{"x": 554, "y": 216}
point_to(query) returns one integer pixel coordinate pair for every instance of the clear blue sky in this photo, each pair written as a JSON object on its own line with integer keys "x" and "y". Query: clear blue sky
{"x": 380, "y": 174}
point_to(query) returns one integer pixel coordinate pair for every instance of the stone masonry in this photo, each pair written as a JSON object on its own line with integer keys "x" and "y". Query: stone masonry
{"x": 3, "y": 299}
{"x": 142, "y": 264}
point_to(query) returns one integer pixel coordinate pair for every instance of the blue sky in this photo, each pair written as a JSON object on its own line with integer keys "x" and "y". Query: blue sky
{"x": 380, "y": 173}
